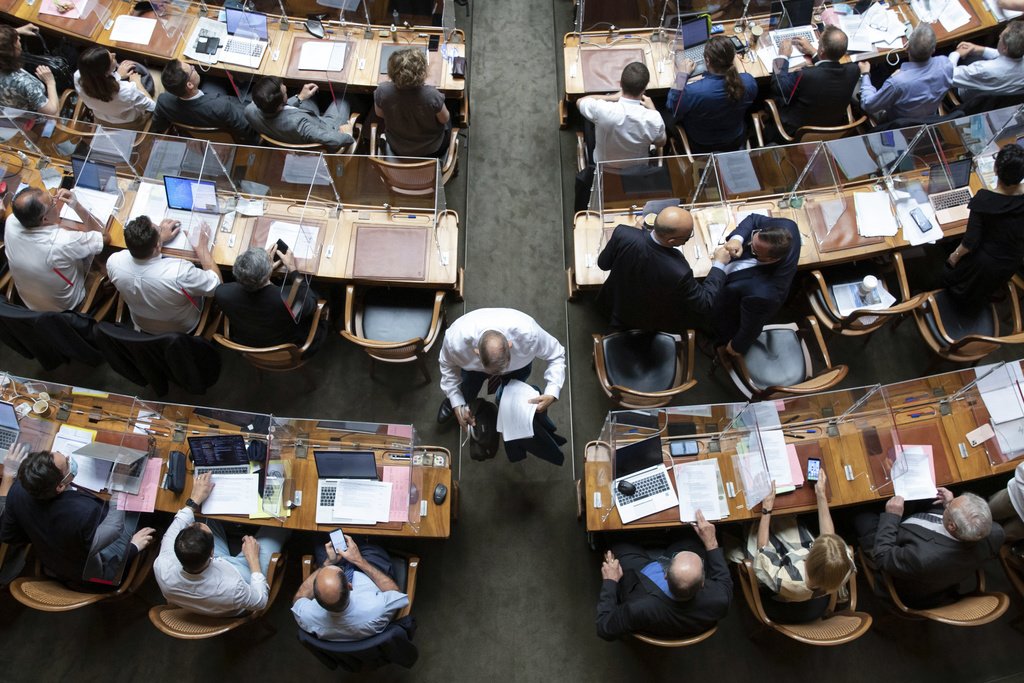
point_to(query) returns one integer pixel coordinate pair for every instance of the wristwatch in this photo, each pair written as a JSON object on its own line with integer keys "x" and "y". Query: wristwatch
{"x": 192, "y": 504}
{"x": 764, "y": 511}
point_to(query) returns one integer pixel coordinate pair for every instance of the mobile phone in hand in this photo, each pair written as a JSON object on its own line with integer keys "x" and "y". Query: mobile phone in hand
{"x": 282, "y": 248}
{"x": 338, "y": 539}
{"x": 813, "y": 469}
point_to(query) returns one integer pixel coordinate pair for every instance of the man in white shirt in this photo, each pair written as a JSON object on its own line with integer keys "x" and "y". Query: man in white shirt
{"x": 625, "y": 125}
{"x": 500, "y": 343}
{"x": 351, "y": 600}
{"x": 994, "y": 71}
{"x": 49, "y": 263}
{"x": 164, "y": 294}
{"x": 196, "y": 571}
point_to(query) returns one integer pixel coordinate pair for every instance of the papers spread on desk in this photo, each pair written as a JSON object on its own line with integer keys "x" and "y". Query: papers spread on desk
{"x": 399, "y": 476}
{"x": 700, "y": 487}
{"x": 1001, "y": 392}
{"x": 92, "y": 474}
{"x": 99, "y": 204}
{"x": 768, "y": 52}
{"x": 905, "y": 203}
{"x": 362, "y": 502}
{"x": 145, "y": 500}
{"x": 949, "y": 13}
{"x": 151, "y": 200}
{"x": 305, "y": 169}
{"x": 877, "y": 26}
{"x": 875, "y": 216}
{"x": 322, "y": 56}
{"x": 77, "y": 8}
{"x": 233, "y": 494}
{"x": 756, "y": 483}
{"x": 515, "y": 413}
{"x": 1010, "y": 437}
{"x": 849, "y": 299}
{"x": 738, "y": 172}
{"x": 129, "y": 29}
{"x": 776, "y": 457}
{"x": 301, "y": 239}
{"x": 914, "y": 473}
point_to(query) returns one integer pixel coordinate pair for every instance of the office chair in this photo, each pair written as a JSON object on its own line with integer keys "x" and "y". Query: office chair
{"x": 49, "y": 595}
{"x": 449, "y": 164}
{"x": 973, "y": 609}
{"x": 834, "y": 628}
{"x": 640, "y": 369}
{"x": 1013, "y": 567}
{"x": 684, "y": 142}
{"x": 967, "y": 336}
{"x": 208, "y": 133}
{"x": 316, "y": 146}
{"x": 675, "y": 642}
{"x": 281, "y": 357}
{"x": 52, "y": 339}
{"x": 178, "y": 622}
{"x": 804, "y": 133}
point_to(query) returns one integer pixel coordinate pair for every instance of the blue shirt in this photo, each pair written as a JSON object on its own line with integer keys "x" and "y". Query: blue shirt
{"x": 914, "y": 92}
{"x": 656, "y": 573}
{"x": 369, "y": 611}
{"x": 708, "y": 116}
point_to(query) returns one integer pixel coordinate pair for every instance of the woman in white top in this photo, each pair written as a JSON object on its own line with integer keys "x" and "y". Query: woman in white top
{"x": 1007, "y": 506}
{"x": 113, "y": 91}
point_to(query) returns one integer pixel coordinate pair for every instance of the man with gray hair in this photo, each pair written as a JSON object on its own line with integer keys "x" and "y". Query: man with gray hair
{"x": 927, "y": 554}
{"x": 916, "y": 89}
{"x": 995, "y": 70}
{"x": 262, "y": 314}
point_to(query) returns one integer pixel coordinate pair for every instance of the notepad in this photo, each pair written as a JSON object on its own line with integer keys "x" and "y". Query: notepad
{"x": 322, "y": 56}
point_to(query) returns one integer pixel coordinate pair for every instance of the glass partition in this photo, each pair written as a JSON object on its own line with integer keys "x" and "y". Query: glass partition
{"x": 1010, "y": 130}
{"x": 749, "y": 174}
{"x": 742, "y": 444}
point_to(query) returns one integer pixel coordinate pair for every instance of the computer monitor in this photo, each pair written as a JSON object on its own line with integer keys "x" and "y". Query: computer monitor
{"x": 949, "y": 177}
{"x": 694, "y": 32}
{"x": 182, "y": 191}
{"x": 346, "y": 465}
{"x": 92, "y": 175}
{"x": 246, "y": 24}
{"x": 639, "y": 455}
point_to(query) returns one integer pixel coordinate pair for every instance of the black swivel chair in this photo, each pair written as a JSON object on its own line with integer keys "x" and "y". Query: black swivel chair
{"x": 50, "y": 338}
{"x": 159, "y": 360}
{"x": 640, "y": 369}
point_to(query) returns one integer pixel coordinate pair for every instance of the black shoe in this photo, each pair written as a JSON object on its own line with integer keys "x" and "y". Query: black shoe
{"x": 445, "y": 414}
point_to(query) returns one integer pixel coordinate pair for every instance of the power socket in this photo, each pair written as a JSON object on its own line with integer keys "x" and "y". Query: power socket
{"x": 439, "y": 461}
{"x": 297, "y": 498}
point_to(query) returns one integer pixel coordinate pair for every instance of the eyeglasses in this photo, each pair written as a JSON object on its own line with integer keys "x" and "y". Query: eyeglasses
{"x": 753, "y": 234}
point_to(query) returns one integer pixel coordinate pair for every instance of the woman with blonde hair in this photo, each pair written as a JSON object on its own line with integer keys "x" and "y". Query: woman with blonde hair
{"x": 414, "y": 113}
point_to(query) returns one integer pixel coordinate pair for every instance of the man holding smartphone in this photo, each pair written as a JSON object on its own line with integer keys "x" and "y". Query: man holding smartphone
{"x": 352, "y": 596}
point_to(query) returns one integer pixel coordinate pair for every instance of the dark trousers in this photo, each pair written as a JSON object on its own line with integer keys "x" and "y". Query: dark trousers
{"x": 373, "y": 554}
{"x": 474, "y": 380}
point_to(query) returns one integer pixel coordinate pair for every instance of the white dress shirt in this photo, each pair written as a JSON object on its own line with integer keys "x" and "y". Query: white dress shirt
{"x": 369, "y": 611}
{"x": 34, "y": 256}
{"x": 128, "y": 106}
{"x": 219, "y": 591}
{"x": 993, "y": 74}
{"x": 164, "y": 294}
{"x": 528, "y": 341}
{"x": 624, "y": 130}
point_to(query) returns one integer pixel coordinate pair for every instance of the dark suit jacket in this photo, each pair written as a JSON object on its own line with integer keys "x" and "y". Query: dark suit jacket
{"x": 816, "y": 95}
{"x": 300, "y": 123}
{"x": 212, "y": 109}
{"x": 636, "y": 605}
{"x": 262, "y": 318}
{"x": 651, "y": 287}
{"x": 750, "y": 297}
{"x": 926, "y": 567}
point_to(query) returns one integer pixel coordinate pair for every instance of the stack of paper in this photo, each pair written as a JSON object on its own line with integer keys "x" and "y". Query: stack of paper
{"x": 700, "y": 487}
{"x": 322, "y": 56}
{"x": 515, "y": 413}
{"x": 914, "y": 473}
{"x": 301, "y": 239}
{"x": 129, "y": 29}
{"x": 875, "y": 217}
{"x": 233, "y": 494}
{"x": 363, "y": 502}
{"x": 776, "y": 457}
{"x": 92, "y": 473}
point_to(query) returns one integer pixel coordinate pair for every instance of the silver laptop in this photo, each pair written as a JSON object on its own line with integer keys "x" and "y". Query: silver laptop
{"x": 949, "y": 199}
{"x": 333, "y": 467}
{"x": 9, "y": 429}
{"x": 246, "y": 41}
{"x": 641, "y": 464}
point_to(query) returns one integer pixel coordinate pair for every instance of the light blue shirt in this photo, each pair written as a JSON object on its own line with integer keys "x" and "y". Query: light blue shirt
{"x": 913, "y": 92}
{"x": 993, "y": 74}
{"x": 369, "y": 612}
{"x": 656, "y": 573}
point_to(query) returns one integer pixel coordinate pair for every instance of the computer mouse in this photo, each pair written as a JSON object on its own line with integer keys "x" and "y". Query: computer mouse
{"x": 626, "y": 488}
{"x": 440, "y": 493}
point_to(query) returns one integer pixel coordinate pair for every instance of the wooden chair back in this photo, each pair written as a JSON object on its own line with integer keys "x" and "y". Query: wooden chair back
{"x": 278, "y": 358}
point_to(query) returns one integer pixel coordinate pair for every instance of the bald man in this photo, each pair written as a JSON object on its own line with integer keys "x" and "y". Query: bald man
{"x": 349, "y": 597}
{"x": 650, "y": 285}
{"x": 679, "y": 592}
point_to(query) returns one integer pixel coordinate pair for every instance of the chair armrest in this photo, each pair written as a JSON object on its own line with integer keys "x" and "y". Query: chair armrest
{"x": 686, "y": 142}
{"x": 758, "y": 123}
{"x": 435, "y": 319}
{"x": 373, "y": 139}
{"x": 691, "y": 361}
{"x": 321, "y": 307}
{"x": 901, "y": 275}
{"x": 751, "y": 589}
{"x": 772, "y": 110}
{"x": 350, "y": 307}
{"x": 307, "y": 566}
{"x": 815, "y": 330}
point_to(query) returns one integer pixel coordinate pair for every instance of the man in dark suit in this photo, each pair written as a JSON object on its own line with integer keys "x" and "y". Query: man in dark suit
{"x": 651, "y": 286}
{"x": 815, "y": 95}
{"x": 184, "y": 102}
{"x": 927, "y": 554}
{"x": 765, "y": 252}
{"x": 297, "y": 120}
{"x": 680, "y": 592}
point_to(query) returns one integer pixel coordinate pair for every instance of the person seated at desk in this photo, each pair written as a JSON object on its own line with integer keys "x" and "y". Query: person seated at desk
{"x": 162, "y": 291}
{"x": 993, "y": 246}
{"x": 351, "y": 597}
{"x": 185, "y": 102}
{"x": 928, "y": 554}
{"x": 650, "y": 285}
{"x": 993, "y": 71}
{"x": 196, "y": 571}
{"x": 619, "y": 126}
{"x": 916, "y": 89}
{"x": 796, "y": 571}
{"x": 63, "y": 524}
{"x": 49, "y": 263}
{"x": 298, "y": 121}
{"x": 815, "y": 95}
{"x": 258, "y": 311}
{"x": 1006, "y": 506}
{"x": 681, "y": 591}
{"x": 765, "y": 253}
{"x": 18, "y": 89}
{"x": 417, "y": 120}
{"x": 712, "y": 110}
{"x": 114, "y": 92}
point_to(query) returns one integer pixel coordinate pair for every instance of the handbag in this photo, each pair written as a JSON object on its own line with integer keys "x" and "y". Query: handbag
{"x": 63, "y": 75}
{"x": 483, "y": 437}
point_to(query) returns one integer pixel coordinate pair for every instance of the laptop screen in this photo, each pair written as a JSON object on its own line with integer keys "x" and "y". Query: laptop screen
{"x": 640, "y": 455}
{"x": 218, "y": 451}
{"x": 246, "y": 24}
{"x": 8, "y": 418}
{"x": 345, "y": 464}
{"x": 693, "y": 33}
{"x": 91, "y": 175}
{"x": 186, "y": 194}
{"x": 959, "y": 174}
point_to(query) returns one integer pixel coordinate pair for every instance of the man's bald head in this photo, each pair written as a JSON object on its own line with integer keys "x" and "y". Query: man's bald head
{"x": 494, "y": 351}
{"x": 331, "y": 589}
{"x": 673, "y": 226}
{"x": 685, "y": 575}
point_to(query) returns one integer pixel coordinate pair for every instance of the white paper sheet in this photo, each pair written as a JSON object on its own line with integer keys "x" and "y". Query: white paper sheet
{"x": 875, "y": 217}
{"x": 301, "y": 239}
{"x": 953, "y": 16}
{"x": 832, "y": 210}
{"x": 917, "y": 482}
{"x": 699, "y": 484}
{"x": 738, "y": 173}
{"x": 515, "y": 413}
{"x": 99, "y": 204}
{"x": 904, "y": 205}
{"x": 755, "y": 479}
{"x": 322, "y": 56}
{"x": 1001, "y": 391}
{"x": 1010, "y": 437}
{"x": 773, "y": 444}
{"x": 233, "y": 494}
{"x": 129, "y": 29}
{"x": 363, "y": 500}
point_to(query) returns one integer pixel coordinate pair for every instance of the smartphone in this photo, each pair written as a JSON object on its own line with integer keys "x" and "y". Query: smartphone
{"x": 738, "y": 45}
{"x": 338, "y": 539}
{"x": 435, "y": 40}
{"x": 922, "y": 221}
{"x": 282, "y": 248}
{"x": 683, "y": 448}
{"x": 813, "y": 468}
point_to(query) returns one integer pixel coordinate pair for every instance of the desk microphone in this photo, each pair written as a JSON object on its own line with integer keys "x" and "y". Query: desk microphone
{"x": 284, "y": 16}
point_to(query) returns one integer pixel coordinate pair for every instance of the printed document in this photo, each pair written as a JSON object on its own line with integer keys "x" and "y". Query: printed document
{"x": 700, "y": 487}
{"x": 367, "y": 502}
{"x": 914, "y": 473}
{"x": 515, "y": 413}
{"x": 233, "y": 494}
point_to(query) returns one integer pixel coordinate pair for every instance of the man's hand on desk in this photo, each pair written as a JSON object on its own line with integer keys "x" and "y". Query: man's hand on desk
{"x": 308, "y": 91}
{"x": 706, "y": 532}
{"x": 169, "y": 230}
{"x": 966, "y": 49}
{"x": 722, "y": 254}
{"x": 465, "y": 416}
{"x": 894, "y": 506}
{"x": 143, "y": 537}
{"x": 543, "y": 402}
{"x": 201, "y": 487}
{"x": 785, "y": 47}
{"x": 610, "y": 568}
{"x": 943, "y": 496}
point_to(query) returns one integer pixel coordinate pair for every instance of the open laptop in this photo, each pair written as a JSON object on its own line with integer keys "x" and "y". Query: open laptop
{"x": 9, "y": 429}
{"x": 247, "y": 39}
{"x": 93, "y": 175}
{"x": 950, "y": 195}
{"x": 221, "y": 454}
{"x": 331, "y": 468}
{"x": 692, "y": 35}
{"x": 185, "y": 195}
{"x": 806, "y": 32}
{"x": 641, "y": 463}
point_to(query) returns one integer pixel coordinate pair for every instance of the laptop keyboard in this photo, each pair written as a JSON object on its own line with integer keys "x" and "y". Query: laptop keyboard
{"x": 246, "y": 48}
{"x": 645, "y": 488}
{"x": 951, "y": 199}
{"x": 696, "y": 54}
{"x": 7, "y": 439}
{"x": 778, "y": 36}
{"x": 327, "y": 496}
{"x": 238, "y": 469}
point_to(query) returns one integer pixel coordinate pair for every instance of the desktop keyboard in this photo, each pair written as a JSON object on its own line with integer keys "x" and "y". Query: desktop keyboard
{"x": 239, "y": 469}
{"x": 805, "y": 33}
{"x": 246, "y": 48}
{"x": 7, "y": 439}
{"x": 645, "y": 488}
{"x": 952, "y": 198}
{"x": 327, "y": 496}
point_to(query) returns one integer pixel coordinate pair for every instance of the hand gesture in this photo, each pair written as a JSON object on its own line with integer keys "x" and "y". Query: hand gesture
{"x": 201, "y": 487}
{"x": 647, "y": 102}
{"x": 722, "y": 254}
{"x": 734, "y": 247}
{"x": 894, "y": 506}
{"x": 465, "y": 416}
{"x": 28, "y": 30}
{"x": 66, "y": 196}
{"x": 865, "y": 67}
{"x": 63, "y": 6}
{"x": 125, "y": 69}
{"x": 801, "y": 44}
{"x": 610, "y": 568}
{"x": 966, "y": 49}
{"x": 251, "y": 550}
{"x": 45, "y": 75}
{"x": 285, "y": 258}
{"x": 542, "y": 402}
{"x": 308, "y": 91}
{"x": 706, "y": 532}
{"x": 169, "y": 229}
{"x": 332, "y": 553}
{"x": 785, "y": 47}
{"x": 12, "y": 461}
{"x": 943, "y": 496}
{"x": 143, "y": 537}
{"x": 769, "y": 501}
{"x": 351, "y": 554}
{"x": 821, "y": 488}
